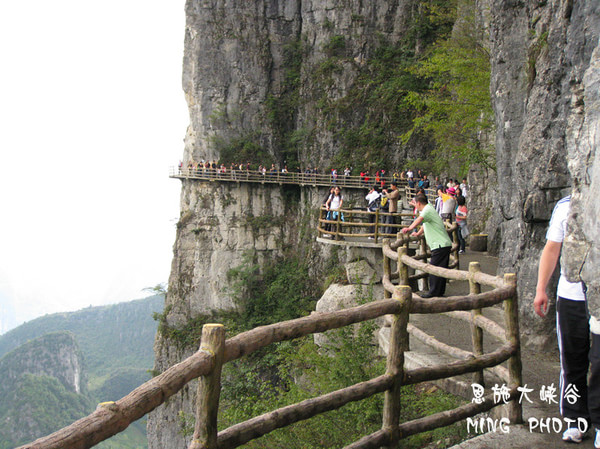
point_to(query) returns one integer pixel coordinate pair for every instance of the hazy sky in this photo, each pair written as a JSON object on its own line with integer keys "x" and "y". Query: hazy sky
{"x": 92, "y": 115}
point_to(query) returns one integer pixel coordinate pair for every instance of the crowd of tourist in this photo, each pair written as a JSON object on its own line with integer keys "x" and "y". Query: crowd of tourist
{"x": 450, "y": 203}
{"x": 380, "y": 178}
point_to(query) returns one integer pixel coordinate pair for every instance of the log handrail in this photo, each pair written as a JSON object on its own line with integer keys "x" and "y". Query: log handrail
{"x": 258, "y": 426}
{"x": 111, "y": 418}
{"x": 441, "y": 419}
{"x": 357, "y": 219}
{"x": 457, "y": 275}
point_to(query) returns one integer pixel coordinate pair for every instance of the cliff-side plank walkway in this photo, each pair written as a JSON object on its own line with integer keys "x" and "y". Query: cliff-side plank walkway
{"x": 275, "y": 177}
{"x": 291, "y": 178}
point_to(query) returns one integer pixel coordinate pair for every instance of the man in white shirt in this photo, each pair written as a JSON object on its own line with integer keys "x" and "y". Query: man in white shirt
{"x": 373, "y": 201}
{"x": 464, "y": 187}
{"x": 579, "y": 350}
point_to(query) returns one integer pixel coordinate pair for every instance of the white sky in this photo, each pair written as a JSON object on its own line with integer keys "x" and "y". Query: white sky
{"x": 92, "y": 115}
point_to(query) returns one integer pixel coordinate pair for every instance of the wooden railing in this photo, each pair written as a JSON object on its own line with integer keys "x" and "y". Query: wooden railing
{"x": 360, "y": 224}
{"x": 111, "y": 418}
{"x": 410, "y": 192}
{"x": 456, "y": 308}
{"x": 277, "y": 177}
{"x": 363, "y": 227}
{"x": 295, "y": 178}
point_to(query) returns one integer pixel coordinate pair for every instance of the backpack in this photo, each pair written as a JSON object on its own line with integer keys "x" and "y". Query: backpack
{"x": 374, "y": 204}
{"x": 385, "y": 204}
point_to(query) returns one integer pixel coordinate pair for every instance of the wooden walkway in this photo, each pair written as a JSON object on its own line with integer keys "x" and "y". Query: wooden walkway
{"x": 290, "y": 178}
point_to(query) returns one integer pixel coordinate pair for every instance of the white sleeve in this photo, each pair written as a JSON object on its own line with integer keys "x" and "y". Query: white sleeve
{"x": 558, "y": 222}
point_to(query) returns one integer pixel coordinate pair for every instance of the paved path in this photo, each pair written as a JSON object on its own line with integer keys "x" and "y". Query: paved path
{"x": 539, "y": 369}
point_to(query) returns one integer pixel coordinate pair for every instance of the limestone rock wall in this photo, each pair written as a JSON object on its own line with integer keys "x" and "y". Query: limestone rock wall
{"x": 582, "y": 254}
{"x": 219, "y": 224}
{"x": 542, "y": 91}
{"x": 256, "y": 70}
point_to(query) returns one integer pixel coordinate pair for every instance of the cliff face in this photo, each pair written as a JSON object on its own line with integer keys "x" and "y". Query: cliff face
{"x": 269, "y": 73}
{"x": 544, "y": 97}
{"x": 582, "y": 255}
{"x": 263, "y": 75}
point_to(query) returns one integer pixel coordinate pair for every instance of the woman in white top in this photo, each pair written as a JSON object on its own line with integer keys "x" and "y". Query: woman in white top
{"x": 335, "y": 201}
{"x": 333, "y": 204}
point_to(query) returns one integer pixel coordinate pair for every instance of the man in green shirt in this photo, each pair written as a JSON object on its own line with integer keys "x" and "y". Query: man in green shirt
{"x": 437, "y": 239}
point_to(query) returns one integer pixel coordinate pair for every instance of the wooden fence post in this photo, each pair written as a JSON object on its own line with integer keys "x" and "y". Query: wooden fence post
{"x": 398, "y": 343}
{"x": 209, "y": 389}
{"x": 511, "y": 317}
{"x": 402, "y": 267}
{"x": 376, "y": 224}
{"x": 476, "y": 331}
{"x": 387, "y": 270}
{"x": 423, "y": 251}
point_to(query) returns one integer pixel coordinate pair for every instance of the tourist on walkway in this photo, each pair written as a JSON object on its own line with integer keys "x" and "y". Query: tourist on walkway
{"x": 449, "y": 206}
{"x": 461, "y": 220}
{"x": 333, "y": 206}
{"x": 373, "y": 199}
{"x": 579, "y": 350}
{"x": 393, "y": 195}
{"x": 347, "y": 172}
{"x": 439, "y": 201}
{"x": 464, "y": 187}
{"x": 437, "y": 239}
{"x": 329, "y": 196}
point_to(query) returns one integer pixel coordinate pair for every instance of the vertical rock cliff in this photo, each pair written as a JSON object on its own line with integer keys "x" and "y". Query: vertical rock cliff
{"x": 543, "y": 81}
{"x": 55, "y": 354}
{"x": 273, "y": 77}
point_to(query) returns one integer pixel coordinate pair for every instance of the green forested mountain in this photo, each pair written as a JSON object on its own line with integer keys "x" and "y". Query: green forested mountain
{"x": 41, "y": 388}
{"x": 57, "y": 368}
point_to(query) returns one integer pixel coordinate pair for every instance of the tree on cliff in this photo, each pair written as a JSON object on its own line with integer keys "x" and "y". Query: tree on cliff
{"x": 456, "y": 108}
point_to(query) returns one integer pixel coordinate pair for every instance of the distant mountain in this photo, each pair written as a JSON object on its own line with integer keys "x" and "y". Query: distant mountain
{"x": 112, "y": 348}
{"x": 114, "y": 336}
{"x": 41, "y": 389}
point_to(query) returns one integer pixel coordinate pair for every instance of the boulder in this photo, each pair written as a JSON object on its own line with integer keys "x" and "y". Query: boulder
{"x": 338, "y": 297}
{"x": 360, "y": 272}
